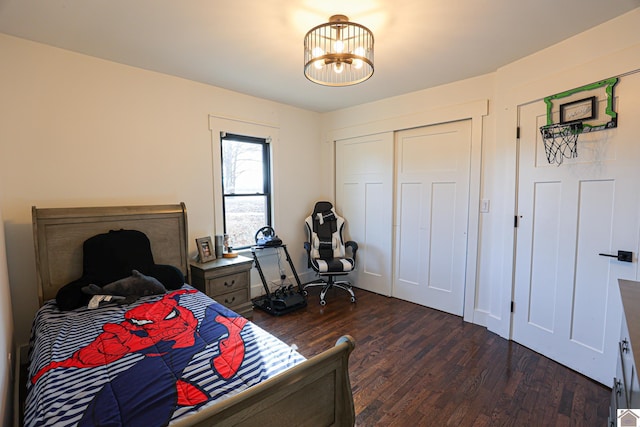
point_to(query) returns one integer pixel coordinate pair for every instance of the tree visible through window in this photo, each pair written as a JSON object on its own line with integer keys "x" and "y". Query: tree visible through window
{"x": 246, "y": 187}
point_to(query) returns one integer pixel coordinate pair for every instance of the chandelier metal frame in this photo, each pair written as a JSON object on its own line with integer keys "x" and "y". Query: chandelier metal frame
{"x": 338, "y": 53}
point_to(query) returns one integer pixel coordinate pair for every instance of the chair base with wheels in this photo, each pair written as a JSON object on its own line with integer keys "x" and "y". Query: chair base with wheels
{"x": 327, "y": 250}
{"x": 328, "y": 284}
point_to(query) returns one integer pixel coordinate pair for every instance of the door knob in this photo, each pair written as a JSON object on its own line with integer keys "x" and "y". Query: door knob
{"x": 624, "y": 256}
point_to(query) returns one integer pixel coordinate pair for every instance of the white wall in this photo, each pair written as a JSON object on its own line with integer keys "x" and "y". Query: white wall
{"x": 604, "y": 51}
{"x": 80, "y": 131}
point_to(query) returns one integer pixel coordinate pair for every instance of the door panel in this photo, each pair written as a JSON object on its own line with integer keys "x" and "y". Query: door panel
{"x": 364, "y": 197}
{"x": 377, "y": 229}
{"x": 410, "y": 236}
{"x": 443, "y": 231}
{"x": 595, "y": 221}
{"x": 433, "y": 167}
{"x": 544, "y": 255}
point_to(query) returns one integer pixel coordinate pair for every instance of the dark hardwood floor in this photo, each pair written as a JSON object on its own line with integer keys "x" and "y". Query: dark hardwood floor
{"x": 414, "y": 366}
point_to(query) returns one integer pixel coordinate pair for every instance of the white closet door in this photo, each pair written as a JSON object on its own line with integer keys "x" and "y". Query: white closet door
{"x": 567, "y": 303}
{"x": 432, "y": 213}
{"x": 364, "y": 197}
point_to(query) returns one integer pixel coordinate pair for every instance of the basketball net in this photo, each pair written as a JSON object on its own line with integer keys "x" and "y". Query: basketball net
{"x": 561, "y": 141}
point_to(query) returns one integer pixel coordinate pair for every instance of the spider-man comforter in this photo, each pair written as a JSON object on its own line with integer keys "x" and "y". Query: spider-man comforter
{"x": 144, "y": 364}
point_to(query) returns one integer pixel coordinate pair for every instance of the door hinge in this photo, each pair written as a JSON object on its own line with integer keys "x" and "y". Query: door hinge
{"x": 518, "y": 132}
{"x": 515, "y": 221}
{"x": 513, "y": 305}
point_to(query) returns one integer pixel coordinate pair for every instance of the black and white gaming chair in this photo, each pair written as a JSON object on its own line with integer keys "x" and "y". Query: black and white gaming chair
{"x": 326, "y": 250}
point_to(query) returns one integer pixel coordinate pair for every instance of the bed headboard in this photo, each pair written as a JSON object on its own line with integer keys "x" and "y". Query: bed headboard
{"x": 59, "y": 233}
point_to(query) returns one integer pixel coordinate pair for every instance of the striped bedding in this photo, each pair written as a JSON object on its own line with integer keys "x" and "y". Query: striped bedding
{"x": 148, "y": 363}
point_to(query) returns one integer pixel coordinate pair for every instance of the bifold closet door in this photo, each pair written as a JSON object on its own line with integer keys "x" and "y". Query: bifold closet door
{"x": 364, "y": 197}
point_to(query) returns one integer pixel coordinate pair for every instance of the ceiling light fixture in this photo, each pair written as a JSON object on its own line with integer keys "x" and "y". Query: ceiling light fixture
{"x": 338, "y": 53}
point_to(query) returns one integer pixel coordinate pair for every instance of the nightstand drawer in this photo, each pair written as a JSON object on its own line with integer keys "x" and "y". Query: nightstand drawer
{"x": 226, "y": 280}
{"x": 224, "y": 284}
{"x": 232, "y": 298}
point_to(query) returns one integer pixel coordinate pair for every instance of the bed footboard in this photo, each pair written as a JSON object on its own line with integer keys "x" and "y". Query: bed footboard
{"x": 316, "y": 392}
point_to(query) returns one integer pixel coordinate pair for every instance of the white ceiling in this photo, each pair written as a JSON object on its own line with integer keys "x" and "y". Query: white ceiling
{"x": 255, "y": 47}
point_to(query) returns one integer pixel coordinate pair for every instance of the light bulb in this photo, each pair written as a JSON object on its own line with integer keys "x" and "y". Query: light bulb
{"x": 338, "y": 46}
{"x": 316, "y": 53}
{"x": 358, "y": 63}
{"x": 338, "y": 67}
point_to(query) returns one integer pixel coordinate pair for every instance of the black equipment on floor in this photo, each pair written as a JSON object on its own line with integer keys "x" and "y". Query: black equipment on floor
{"x": 285, "y": 299}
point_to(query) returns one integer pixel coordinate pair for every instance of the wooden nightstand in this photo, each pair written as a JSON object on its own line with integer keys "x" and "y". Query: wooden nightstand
{"x": 226, "y": 280}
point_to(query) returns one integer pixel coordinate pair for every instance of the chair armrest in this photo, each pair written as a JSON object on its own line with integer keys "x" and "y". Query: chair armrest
{"x": 354, "y": 248}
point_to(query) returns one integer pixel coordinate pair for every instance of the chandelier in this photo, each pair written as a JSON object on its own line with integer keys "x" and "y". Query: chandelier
{"x": 338, "y": 53}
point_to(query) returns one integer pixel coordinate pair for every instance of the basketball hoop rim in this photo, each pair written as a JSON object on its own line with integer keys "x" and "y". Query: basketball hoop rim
{"x": 556, "y": 129}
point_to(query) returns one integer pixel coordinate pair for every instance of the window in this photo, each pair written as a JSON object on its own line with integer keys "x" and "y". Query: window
{"x": 246, "y": 187}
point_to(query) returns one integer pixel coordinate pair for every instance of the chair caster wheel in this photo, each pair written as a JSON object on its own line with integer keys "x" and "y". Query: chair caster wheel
{"x": 353, "y": 299}
{"x": 323, "y": 302}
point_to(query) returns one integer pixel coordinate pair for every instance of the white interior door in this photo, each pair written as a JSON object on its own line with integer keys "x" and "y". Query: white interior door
{"x": 567, "y": 304}
{"x": 364, "y": 197}
{"x": 432, "y": 212}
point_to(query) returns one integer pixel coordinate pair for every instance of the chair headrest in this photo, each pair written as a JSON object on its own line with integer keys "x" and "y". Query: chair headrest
{"x": 323, "y": 211}
{"x": 322, "y": 207}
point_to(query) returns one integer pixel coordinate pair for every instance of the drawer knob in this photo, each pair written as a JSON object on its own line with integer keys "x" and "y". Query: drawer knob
{"x": 226, "y": 300}
{"x": 228, "y": 285}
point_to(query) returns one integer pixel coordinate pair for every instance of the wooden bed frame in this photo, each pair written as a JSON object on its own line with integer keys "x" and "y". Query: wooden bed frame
{"x": 316, "y": 392}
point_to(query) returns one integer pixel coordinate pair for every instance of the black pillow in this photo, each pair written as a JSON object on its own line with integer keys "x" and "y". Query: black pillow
{"x": 70, "y": 296}
{"x": 112, "y": 256}
{"x": 171, "y": 277}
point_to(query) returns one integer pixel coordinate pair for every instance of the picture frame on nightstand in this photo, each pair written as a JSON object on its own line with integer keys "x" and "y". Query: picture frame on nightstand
{"x": 206, "y": 250}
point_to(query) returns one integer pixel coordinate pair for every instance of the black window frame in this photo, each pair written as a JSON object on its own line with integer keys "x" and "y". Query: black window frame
{"x": 267, "y": 191}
